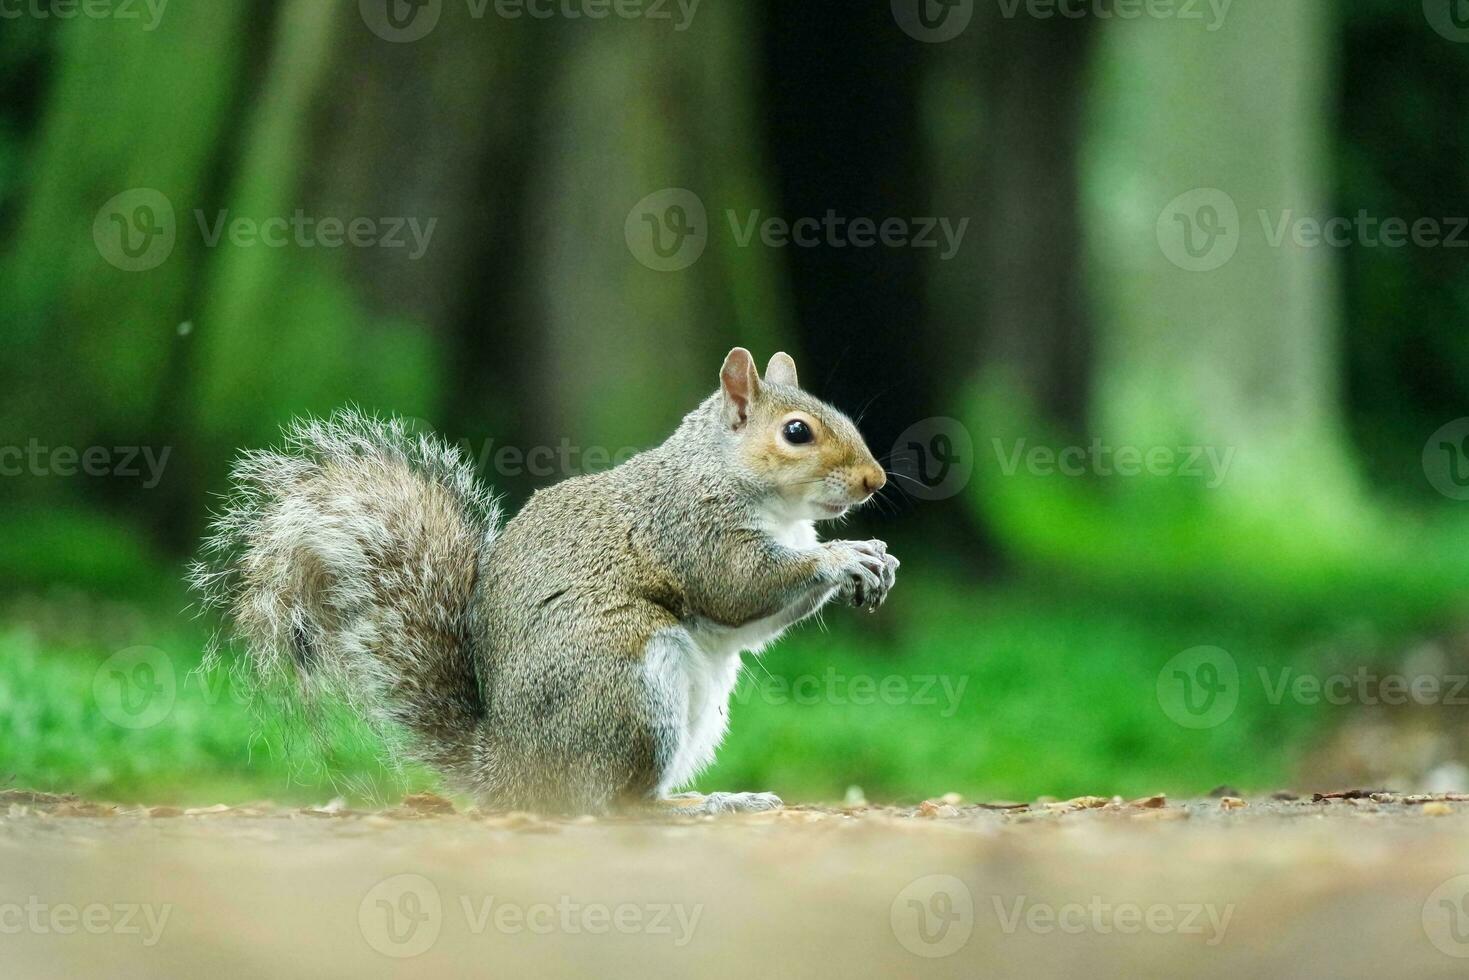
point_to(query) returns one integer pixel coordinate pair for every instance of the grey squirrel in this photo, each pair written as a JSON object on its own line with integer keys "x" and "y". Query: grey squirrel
{"x": 581, "y": 657}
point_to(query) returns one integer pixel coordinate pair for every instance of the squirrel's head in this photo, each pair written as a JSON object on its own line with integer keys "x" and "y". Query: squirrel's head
{"x": 810, "y": 454}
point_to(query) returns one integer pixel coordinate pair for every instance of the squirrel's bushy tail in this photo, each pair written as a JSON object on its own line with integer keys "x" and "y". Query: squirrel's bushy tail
{"x": 347, "y": 561}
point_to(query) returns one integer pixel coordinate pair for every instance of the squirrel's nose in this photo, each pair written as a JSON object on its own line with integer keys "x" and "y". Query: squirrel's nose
{"x": 874, "y": 480}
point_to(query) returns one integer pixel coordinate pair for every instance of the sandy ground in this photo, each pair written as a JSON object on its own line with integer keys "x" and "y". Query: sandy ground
{"x": 1094, "y": 888}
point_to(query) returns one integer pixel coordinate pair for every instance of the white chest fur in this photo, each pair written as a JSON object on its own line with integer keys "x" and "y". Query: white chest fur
{"x": 793, "y": 532}
{"x": 700, "y": 672}
{"x": 701, "y": 682}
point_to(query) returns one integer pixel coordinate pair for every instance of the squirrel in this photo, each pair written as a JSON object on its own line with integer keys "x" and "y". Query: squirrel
{"x": 581, "y": 657}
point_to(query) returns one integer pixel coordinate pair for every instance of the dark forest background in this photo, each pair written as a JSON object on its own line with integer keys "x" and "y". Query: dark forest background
{"x": 1136, "y": 274}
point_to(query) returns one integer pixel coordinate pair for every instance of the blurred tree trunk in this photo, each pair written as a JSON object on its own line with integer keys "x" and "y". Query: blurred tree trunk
{"x": 1006, "y": 134}
{"x": 1212, "y": 333}
{"x": 1003, "y": 123}
{"x": 627, "y": 340}
{"x": 351, "y": 126}
{"x": 842, "y": 124}
{"x": 93, "y": 351}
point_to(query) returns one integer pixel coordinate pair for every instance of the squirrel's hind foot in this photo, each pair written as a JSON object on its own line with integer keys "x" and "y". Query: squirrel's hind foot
{"x": 714, "y": 804}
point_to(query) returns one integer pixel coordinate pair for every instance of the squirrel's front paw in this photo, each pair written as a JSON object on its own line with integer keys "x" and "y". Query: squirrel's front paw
{"x": 866, "y": 572}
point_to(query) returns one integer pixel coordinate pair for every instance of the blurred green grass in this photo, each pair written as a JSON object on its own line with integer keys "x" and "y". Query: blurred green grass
{"x": 1039, "y": 684}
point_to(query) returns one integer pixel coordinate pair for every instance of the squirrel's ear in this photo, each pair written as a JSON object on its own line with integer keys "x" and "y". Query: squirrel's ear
{"x": 740, "y": 383}
{"x": 782, "y": 371}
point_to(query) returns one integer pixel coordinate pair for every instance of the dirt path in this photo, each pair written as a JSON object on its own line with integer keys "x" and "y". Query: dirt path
{"x": 1334, "y": 888}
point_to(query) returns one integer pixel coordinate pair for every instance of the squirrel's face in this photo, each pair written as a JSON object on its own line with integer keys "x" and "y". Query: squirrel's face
{"x": 810, "y": 454}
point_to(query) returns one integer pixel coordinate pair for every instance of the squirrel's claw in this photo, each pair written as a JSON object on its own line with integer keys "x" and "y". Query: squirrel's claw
{"x": 869, "y": 574}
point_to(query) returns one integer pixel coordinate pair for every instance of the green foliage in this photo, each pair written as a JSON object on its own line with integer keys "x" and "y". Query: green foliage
{"x": 61, "y": 730}
{"x": 1058, "y": 695}
{"x": 1319, "y": 375}
{"x": 1041, "y": 686}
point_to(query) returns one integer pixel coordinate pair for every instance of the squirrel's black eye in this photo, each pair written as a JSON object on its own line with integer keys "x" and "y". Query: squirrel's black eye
{"x": 796, "y": 432}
